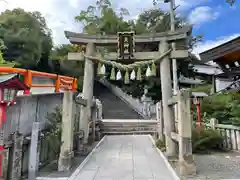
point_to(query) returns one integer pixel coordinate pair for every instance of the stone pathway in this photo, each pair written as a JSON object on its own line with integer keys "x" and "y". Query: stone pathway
{"x": 128, "y": 157}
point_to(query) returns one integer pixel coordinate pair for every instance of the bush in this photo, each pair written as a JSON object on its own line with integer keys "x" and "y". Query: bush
{"x": 223, "y": 106}
{"x": 53, "y": 132}
{"x": 206, "y": 88}
{"x": 161, "y": 144}
{"x": 203, "y": 141}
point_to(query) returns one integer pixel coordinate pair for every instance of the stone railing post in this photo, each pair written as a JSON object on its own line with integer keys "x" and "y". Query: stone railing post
{"x": 66, "y": 153}
{"x": 87, "y": 92}
{"x": 166, "y": 86}
{"x": 186, "y": 162}
{"x": 99, "y": 109}
{"x": 213, "y": 123}
{"x": 33, "y": 159}
{"x": 16, "y": 156}
{"x": 94, "y": 119}
{"x": 159, "y": 115}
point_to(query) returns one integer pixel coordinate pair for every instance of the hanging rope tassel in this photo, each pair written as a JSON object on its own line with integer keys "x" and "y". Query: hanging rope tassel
{"x": 99, "y": 69}
{"x": 119, "y": 75}
{"x": 113, "y": 74}
{"x": 103, "y": 70}
{"x": 133, "y": 75}
{"x": 139, "y": 74}
{"x": 126, "y": 77}
{"x": 154, "y": 69}
{"x": 148, "y": 72}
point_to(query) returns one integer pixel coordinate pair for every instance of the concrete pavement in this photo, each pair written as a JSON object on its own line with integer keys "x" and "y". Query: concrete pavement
{"x": 128, "y": 157}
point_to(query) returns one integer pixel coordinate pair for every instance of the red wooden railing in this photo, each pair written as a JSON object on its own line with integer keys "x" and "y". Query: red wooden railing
{"x": 61, "y": 82}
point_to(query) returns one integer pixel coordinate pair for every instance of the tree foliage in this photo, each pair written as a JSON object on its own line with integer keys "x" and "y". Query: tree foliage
{"x": 59, "y": 64}
{"x": 102, "y": 19}
{"x": 231, "y": 2}
{"x": 222, "y": 106}
{"x": 26, "y": 37}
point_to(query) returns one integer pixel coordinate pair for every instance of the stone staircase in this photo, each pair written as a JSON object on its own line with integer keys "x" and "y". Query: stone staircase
{"x": 113, "y": 106}
{"x": 131, "y": 126}
{"x": 118, "y": 117}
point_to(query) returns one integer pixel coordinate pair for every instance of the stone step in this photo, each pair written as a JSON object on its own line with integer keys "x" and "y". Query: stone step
{"x": 113, "y": 106}
{"x": 129, "y": 124}
{"x": 128, "y": 128}
{"x": 127, "y": 132}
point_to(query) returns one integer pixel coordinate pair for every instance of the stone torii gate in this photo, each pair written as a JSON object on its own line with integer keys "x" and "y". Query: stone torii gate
{"x": 163, "y": 55}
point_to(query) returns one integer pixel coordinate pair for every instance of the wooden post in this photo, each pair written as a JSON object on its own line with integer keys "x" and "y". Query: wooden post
{"x": 159, "y": 113}
{"x": 166, "y": 86}
{"x": 213, "y": 89}
{"x": 57, "y": 84}
{"x": 33, "y": 159}
{"x": 66, "y": 153}
{"x": 186, "y": 162}
{"x": 28, "y": 81}
{"x": 87, "y": 92}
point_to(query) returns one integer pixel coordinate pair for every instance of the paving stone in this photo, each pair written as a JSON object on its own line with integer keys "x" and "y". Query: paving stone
{"x": 128, "y": 157}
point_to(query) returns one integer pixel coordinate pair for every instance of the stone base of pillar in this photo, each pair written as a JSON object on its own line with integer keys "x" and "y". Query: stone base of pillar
{"x": 187, "y": 168}
{"x": 172, "y": 158}
{"x": 82, "y": 150}
{"x": 65, "y": 161}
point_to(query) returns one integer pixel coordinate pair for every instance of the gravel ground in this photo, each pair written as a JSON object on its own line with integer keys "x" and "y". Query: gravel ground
{"x": 217, "y": 166}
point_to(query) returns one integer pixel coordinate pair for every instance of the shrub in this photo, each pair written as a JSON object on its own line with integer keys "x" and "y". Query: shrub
{"x": 202, "y": 88}
{"x": 161, "y": 144}
{"x": 203, "y": 141}
{"x": 223, "y": 106}
{"x": 53, "y": 132}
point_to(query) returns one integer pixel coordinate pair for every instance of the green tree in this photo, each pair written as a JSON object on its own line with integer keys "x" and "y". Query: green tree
{"x": 231, "y": 2}
{"x": 26, "y": 37}
{"x": 2, "y": 61}
{"x": 108, "y": 22}
{"x": 61, "y": 66}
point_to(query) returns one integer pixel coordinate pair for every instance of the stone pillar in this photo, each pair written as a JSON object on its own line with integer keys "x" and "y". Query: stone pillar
{"x": 213, "y": 123}
{"x": 87, "y": 92}
{"x": 33, "y": 159}
{"x": 99, "y": 109}
{"x": 186, "y": 162}
{"x": 159, "y": 114}
{"x": 94, "y": 119}
{"x": 146, "y": 103}
{"x": 16, "y": 157}
{"x": 66, "y": 152}
{"x": 166, "y": 86}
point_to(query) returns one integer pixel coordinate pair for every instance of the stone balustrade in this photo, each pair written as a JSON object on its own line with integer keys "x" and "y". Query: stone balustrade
{"x": 230, "y": 133}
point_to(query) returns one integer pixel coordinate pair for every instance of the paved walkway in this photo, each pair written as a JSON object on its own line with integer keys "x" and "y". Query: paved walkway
{"x": 128, "y": 157}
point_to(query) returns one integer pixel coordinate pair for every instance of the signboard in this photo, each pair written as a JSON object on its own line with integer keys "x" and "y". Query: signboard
{"x": 126, "y": 45}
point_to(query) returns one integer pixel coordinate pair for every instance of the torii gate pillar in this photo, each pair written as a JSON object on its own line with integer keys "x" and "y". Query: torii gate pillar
{"x": 87, "y": 92}
{"x": 166, "y": 86}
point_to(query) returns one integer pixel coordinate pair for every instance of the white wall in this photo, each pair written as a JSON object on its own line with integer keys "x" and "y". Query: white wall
{"x": 222, "y": 83}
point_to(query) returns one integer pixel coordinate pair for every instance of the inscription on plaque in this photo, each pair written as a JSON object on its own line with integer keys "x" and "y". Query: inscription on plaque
{"x": 126, "y": 45}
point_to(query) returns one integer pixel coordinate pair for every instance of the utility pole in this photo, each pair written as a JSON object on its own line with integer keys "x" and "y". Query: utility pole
{"x": 174, "y": 61}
